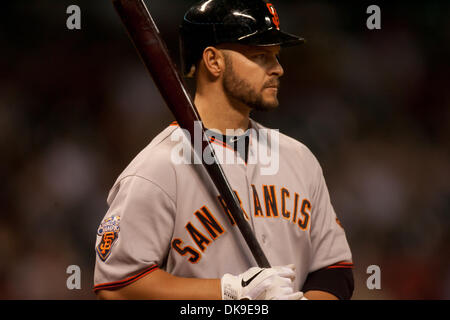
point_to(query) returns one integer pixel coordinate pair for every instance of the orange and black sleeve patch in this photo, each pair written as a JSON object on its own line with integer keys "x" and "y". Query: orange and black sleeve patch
{"x": 341, "y": 265}
{"x": 336, "y": 279}
{"x": 125, "y": 282}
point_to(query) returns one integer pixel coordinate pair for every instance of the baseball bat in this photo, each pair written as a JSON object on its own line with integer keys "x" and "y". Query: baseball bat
{"x": 153, "y": 52}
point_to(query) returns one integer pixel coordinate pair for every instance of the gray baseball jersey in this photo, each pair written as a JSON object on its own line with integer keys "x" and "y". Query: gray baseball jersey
{"x": 169, "y": 215}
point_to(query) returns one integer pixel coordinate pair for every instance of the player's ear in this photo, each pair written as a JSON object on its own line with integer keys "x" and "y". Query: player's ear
{"x": 213, "y": 61}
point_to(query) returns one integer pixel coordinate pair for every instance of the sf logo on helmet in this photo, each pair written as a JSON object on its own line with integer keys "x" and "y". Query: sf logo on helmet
{"x": 273, "y": 12}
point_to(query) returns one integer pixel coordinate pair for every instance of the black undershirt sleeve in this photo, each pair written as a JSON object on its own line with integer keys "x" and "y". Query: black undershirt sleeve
{"x": 337, "y": 281}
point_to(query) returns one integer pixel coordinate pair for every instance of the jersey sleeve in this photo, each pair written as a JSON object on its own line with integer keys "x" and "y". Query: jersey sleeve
{"x": 133, "y": 239}
{"x": 331, "y": 265}
{"x": 328, "y": 239}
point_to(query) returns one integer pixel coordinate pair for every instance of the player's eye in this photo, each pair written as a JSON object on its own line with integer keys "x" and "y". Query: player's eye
{"x": 259, "y": 56}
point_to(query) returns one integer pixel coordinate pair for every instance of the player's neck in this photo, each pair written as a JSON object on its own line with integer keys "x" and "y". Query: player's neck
{"x": 217, "y": 112}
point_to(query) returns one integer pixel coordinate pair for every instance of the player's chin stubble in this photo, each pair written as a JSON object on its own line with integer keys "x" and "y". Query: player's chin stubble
{"x": 242, "y": 91}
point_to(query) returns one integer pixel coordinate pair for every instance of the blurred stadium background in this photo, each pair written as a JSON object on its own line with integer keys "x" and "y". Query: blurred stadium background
{"x": 374, "y": 106}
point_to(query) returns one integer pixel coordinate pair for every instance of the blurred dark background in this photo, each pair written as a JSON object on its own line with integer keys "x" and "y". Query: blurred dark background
{"x": 373, "y": 105}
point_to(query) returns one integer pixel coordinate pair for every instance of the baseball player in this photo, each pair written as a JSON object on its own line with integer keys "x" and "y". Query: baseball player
{"x": 168, "y": 233}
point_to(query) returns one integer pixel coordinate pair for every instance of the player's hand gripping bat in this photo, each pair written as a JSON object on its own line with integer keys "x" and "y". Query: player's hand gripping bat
{"x": 152, "y": 49}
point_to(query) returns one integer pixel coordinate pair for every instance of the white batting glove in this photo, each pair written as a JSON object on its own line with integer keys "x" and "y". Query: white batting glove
{"x": 261, "y": 284}
{"x": 283, "y": 288}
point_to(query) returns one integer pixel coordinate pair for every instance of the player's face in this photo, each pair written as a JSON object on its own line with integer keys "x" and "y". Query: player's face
{"x": 251, "y": 76}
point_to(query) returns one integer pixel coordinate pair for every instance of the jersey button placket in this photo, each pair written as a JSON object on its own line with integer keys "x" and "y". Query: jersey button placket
{"x": 264, "y": 239}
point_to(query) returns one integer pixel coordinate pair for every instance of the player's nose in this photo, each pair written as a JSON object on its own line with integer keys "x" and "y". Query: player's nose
{"x": 275, "y": 67}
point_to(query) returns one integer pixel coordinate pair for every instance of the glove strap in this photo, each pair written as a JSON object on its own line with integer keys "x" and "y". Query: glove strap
{"x": 229, "y": 287}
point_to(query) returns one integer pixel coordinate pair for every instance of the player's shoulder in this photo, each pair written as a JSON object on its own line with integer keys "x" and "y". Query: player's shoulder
{"x": 289, "y": 145}
{"x": 153, "y": 162}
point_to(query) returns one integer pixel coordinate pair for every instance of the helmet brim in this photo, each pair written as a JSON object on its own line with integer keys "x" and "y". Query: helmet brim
{"x": 272, "y": 37}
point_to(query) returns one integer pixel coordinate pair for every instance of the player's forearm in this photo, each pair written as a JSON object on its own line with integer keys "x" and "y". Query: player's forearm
{"x": 160, "y": 285}
{"x": 319, "y": 295}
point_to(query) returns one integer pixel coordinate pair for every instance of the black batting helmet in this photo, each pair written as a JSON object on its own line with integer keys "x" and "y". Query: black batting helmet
{"x": 211, "y": 22}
